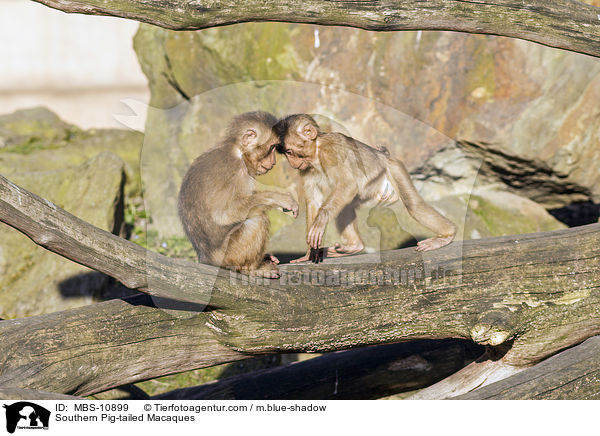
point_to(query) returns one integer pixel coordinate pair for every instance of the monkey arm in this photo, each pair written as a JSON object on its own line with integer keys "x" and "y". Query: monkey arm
{"x": 312, "y": 209}
{"x": 259, "y": 201}
{"x": 343, "y": 193}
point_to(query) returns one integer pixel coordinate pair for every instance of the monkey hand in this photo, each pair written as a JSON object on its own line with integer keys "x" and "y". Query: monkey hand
{"x": 315, "y": 234}
{"x": 289, "y": 205}
{"x": 433, "y": 243}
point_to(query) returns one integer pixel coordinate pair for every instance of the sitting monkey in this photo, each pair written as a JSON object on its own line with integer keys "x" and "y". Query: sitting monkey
{"x": 339, "y": 173}
{"x": 222, "y": 214}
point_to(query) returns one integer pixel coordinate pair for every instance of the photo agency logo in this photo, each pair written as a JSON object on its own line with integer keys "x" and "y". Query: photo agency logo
{"x": 24, "y": 415}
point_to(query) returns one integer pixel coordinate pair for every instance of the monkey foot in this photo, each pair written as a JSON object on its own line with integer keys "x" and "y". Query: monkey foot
{"x": 272, "y": 259}
{"x": 433, "y": 243}
{"x": 267, "y": 269}
{"x": 304, "y": 258}
{"x": 339, "y": 250}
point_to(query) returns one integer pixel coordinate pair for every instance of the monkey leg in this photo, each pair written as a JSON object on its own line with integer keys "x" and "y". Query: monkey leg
{"x": 246, "y": 250}
{"x": 312, "y": 209}
{"x": 348, "y": 228}
{"x": 421, "y": 211}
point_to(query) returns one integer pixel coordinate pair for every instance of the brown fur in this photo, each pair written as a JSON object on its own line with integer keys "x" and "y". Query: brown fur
{"x": 339, "y": 173}
{"x": 221, "y": 213}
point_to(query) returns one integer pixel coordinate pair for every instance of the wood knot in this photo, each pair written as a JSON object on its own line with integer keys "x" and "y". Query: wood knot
{"x": 493, "y": 328}
{"x": 489, "y": 335}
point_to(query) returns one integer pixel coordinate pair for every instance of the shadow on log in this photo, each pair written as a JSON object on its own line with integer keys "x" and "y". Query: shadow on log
{"x": 360, "y": 374}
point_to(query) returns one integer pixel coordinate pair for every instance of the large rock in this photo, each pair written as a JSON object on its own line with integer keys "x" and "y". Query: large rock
{"x": 449, "y": 104}
{"x": 38, "y": 140}
{"x": 71, "y": 168}
{"x": 34, "y": 280}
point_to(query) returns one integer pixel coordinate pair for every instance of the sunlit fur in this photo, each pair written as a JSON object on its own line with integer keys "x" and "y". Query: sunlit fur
{"x": 221, "y": 213}
{"x": 339, "y": 174}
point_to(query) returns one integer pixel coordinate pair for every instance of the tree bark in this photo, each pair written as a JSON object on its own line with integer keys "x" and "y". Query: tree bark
{"x": 527, "y": 296}
{"x": 101, "y": 346}
{"x": 30, "y": 394}
{"x": 573, "y": 374}
{"x": 361, "y": 374}
{"x": 569, "y": 25}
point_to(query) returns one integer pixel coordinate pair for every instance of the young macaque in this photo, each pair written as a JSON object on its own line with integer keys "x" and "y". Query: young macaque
{"x": 222, "y": 214}
{"x": 338, "y": 174}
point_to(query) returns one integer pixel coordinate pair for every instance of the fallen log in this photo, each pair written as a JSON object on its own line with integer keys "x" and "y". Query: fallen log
{"x": 526, "y": 297}
{"x": 571, "y": 374}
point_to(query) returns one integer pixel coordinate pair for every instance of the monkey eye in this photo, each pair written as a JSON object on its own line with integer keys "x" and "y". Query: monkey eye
{"x": 288, "y": 152}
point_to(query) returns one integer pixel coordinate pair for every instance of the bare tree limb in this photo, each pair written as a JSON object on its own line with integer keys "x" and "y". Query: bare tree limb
{"x": 565, "y": 24}
{"x": 94, "y": 348}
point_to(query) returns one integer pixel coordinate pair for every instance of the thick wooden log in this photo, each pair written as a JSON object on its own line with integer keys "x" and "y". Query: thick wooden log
{"x": 528, "y": 296}
{"x": 361, "y": 374}
{"x": 566, "y": 24}
{"x": 573, "y": 374}
{"x": 94, "y": 348}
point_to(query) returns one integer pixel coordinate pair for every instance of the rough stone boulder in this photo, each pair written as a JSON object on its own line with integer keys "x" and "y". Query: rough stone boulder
{"x": 73, "y": 169}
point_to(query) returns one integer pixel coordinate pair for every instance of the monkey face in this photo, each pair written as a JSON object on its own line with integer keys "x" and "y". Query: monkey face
{"x": 261, "y": 159}
{"x": 298, "y": 157}
{"x": 296, "y": 162}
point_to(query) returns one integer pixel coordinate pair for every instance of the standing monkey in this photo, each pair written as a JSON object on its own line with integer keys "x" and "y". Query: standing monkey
{"x": 338, "y": 174}
{"x": 222, "y": 214}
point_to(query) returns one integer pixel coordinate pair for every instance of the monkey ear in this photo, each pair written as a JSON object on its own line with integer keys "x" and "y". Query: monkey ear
{"x": 249, "y": 138}
{"x": 308, "y": 132}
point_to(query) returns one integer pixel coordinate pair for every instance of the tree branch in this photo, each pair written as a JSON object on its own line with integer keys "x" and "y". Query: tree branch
{"x": 30, "y": 394}
{"x": 565, "y": 24}
{"x": 94, "y": 348}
